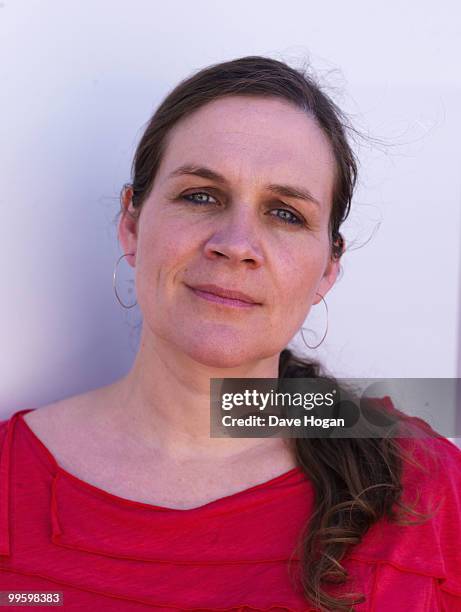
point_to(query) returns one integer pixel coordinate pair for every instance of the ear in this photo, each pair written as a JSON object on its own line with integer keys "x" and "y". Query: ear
{"x": 329, "y": 277}
{"x": 128, "y": 225}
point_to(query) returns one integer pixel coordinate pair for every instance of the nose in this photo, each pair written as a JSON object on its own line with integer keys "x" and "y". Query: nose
{"x": 236, "y": 239}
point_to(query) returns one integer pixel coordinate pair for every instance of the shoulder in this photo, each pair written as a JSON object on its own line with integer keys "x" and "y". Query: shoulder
{"x": 3, "y": 426}
{"x": 431, "y": 479}
{"x": 3, "y": 430}
{"x": 37, "y": 419}
{"x": 70, "y": 419}
{"x": 59, "y": 425}
{"x": 425, "y": 538}
{"x": 424, "y": 449}
{"x": 421, "y": 443}
{"x": 52, "y": 422}
{"x": 431, "y": 463}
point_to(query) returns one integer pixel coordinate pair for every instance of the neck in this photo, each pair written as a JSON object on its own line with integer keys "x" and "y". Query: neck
{"x": 163, "y": 403}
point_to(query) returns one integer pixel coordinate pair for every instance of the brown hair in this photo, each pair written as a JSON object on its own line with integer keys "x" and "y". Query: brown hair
{"x": 356, "y": 481}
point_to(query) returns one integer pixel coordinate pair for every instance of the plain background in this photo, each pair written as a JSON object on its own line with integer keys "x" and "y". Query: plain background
{"x": 79, "y": 80}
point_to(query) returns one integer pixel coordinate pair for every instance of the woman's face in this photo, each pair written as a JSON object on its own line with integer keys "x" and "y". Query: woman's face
{"x": 212, "y": 217}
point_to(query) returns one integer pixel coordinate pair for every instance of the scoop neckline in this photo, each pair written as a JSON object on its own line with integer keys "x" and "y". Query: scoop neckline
{"x": 297, "y": 470}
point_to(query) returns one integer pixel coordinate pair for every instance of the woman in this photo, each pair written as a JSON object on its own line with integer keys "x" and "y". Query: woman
{"x": 119, "y": 498}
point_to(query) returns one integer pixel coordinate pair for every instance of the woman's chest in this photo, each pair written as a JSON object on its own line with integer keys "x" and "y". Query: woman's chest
{"x": 110, "y": 463}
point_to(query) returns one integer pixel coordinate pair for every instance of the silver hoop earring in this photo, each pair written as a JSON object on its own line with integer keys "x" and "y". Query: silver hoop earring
{"x": 115, "y": 281}
{"x": 324, "y": 335}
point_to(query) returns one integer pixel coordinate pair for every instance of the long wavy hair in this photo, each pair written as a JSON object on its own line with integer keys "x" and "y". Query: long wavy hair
{"x": 357, "y": 481}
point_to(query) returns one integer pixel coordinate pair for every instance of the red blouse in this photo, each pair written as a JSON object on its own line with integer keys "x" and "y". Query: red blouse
{"x": 104, "y": 552}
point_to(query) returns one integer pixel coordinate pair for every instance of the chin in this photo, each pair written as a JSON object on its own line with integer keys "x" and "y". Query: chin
{"x": 218, "y": 355}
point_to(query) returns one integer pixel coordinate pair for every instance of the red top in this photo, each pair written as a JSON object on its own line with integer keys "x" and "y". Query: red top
{"x": 104, "y": 552}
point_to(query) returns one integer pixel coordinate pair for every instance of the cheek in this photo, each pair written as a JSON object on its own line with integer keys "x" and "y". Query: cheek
{"x": 162, "y": 252}
{"x": 300, "y": 271}
{"x": 301, "y": 263}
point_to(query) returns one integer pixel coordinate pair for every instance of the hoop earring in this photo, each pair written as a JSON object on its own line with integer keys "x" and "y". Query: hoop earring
{"x": 115, "y": 282}
{"x": 324, "y": 335}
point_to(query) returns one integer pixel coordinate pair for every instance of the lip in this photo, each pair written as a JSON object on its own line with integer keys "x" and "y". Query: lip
{"x": 224, "y": 296}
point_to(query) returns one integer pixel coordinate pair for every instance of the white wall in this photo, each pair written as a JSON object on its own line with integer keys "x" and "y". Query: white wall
{"x": 79, "y": 79}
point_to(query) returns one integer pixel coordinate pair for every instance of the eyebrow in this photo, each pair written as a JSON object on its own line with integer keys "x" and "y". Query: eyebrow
{"x": 288, "y": 191}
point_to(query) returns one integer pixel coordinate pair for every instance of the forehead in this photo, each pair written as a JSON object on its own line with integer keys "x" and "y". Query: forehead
{"x": 253, "y": 138}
